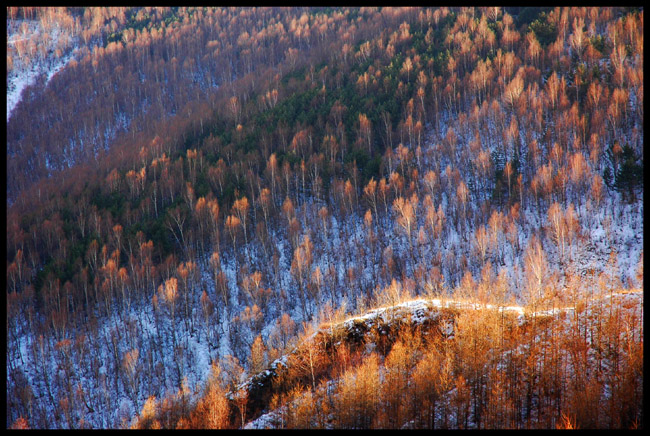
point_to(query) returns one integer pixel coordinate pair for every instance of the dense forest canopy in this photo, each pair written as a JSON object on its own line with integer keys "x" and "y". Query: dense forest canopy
{"x": 197, "y": 196}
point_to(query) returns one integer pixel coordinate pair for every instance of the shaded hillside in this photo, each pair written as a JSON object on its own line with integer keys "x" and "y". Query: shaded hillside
{"x": 244, "y": 173}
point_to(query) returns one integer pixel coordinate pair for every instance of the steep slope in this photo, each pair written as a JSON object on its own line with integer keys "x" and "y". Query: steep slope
{"x": 310, "y": 386}
{"x": 339, "y": 159}
{"x": 426, "y": 316}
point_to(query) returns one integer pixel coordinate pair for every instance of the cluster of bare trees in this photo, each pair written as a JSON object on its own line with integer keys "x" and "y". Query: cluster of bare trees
{"x": 227, "y": 223}
{"x": 149, "y": 64}
{"x": 478, "y": 366}
{"x": 492, "y": 374}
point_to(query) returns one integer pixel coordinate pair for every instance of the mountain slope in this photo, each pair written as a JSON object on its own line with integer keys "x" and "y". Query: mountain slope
{"x": 245, "y": 173}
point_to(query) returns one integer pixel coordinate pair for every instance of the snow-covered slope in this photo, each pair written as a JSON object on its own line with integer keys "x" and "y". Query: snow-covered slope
{"x": 23, "y": 75}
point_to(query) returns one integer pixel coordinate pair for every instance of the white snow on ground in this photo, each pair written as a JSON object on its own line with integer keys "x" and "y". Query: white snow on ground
{"x": 16, "y": 83}
{"x": 266, "y": 421}
{"x": 627, "y": 237}
{"x": 15, "y": 87}
{"x": 21, "y": 77}
{"x": 417, "y": 309}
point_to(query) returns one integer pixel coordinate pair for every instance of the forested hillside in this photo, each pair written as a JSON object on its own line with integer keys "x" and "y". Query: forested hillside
{"x": 199, "y": 197}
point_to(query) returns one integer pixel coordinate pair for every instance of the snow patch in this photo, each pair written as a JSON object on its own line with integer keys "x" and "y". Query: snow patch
{"x": 21, "y": 76}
